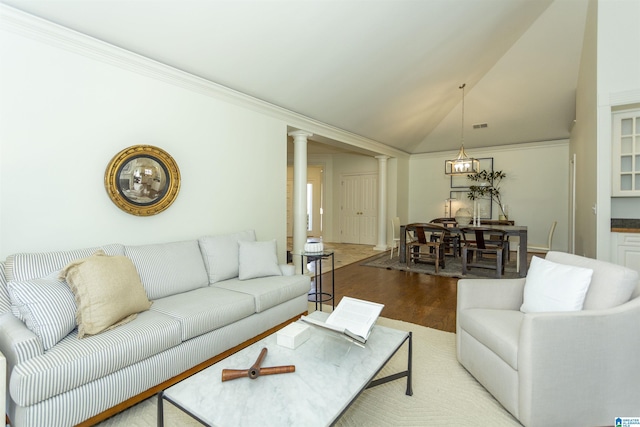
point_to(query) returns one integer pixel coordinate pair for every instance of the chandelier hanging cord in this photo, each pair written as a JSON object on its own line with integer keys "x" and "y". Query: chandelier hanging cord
{"x": 463, "y": 164}
{"x": 462, "y": 124}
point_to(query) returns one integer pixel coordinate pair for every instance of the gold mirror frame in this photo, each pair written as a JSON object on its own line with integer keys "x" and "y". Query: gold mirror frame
{"x": 142, "y": 180}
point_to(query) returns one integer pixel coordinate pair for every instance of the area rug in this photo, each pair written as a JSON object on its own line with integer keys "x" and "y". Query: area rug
{"x": 452, "y": 268}
{"x": 444, "y": 393}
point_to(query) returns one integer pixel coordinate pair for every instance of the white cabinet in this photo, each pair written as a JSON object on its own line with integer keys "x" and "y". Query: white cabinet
{"x": 626, "y": 154}
{"x": 626, "y": 250}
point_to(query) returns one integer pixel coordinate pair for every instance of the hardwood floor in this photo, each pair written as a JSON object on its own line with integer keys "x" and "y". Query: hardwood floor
{"x": 412, "y": 297}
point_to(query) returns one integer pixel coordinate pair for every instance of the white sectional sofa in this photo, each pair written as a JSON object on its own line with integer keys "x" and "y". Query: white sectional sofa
{"x": 208, "y": 297}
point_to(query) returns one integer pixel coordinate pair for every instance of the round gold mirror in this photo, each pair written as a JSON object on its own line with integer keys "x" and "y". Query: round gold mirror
{"x": 142, "y": 180}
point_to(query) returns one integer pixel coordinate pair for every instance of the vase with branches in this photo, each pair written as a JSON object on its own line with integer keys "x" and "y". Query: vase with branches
{"x": 488, "y": 186}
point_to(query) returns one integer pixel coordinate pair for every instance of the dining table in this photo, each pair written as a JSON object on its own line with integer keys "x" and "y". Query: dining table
{"x": 519, "y": 231}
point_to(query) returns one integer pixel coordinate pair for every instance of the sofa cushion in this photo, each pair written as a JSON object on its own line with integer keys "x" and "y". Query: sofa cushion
{"x": 74, "y": 362}
{"x": 27, "y": 266}
{"x": 205, "y": 309}
{"x": 257, "y": 259}
{"x": 550, "y": 286}
{"x": 220, "y": 254}
{"x": 169, "y": 268}
{"x": 269, "y": 291}
{"x": 498, "y": 330}
{"x": 107, "y": 290}
{"x": 46, "y": 306}
{"x": 611, "y": 284}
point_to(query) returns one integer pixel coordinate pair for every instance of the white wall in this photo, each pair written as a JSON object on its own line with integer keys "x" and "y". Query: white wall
{"x": 535, "y": 189}
{"x": 64, "y": 114}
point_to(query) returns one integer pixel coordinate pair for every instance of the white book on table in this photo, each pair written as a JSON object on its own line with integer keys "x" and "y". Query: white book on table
{"x": 352, "y": 317}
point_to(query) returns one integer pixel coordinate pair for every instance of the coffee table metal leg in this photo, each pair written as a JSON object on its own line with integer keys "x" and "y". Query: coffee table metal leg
{"x": 160, "y": 410}
{"x": 410, "y": 366}
{"x": 402, "y": 374}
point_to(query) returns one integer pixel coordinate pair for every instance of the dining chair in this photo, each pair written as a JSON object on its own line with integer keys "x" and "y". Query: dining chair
{"x": 533, "y": 248}
{"x": 487, "y": 248}
{"x": 451, "y": 241}
{"x": 430, "y": 249}
{"x": 395, "y": 234}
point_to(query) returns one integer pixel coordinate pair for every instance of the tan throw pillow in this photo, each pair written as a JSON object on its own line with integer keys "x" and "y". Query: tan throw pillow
{"x": 108, "y": 292}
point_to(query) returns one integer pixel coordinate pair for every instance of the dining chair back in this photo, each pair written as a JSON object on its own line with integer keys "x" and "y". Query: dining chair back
{"x": 395, "y": 234}
{"x": 428, "y": 248}
{"x": 533, "y": 248}
{"x": 451, "y": 241}
{"x": 486, "y": 248}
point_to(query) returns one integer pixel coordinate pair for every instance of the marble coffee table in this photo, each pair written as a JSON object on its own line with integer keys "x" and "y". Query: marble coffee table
{"x": 330, "y": 374}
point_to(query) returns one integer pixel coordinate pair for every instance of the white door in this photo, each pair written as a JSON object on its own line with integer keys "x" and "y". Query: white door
{"x": 359, "y": 208}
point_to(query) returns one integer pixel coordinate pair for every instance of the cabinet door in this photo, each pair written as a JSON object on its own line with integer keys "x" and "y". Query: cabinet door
{"x": 626, "y": 154}
{"x": 629, "y": 250}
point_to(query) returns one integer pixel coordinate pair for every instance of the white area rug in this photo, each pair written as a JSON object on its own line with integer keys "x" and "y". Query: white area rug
{"x": 444, "y": 393}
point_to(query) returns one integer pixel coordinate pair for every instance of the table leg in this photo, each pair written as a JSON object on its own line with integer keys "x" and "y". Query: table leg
{"x": 408, "y": 373}
{"x": 160, "y": 410}
{"x": 402, "y": 255}
{"x": 319, "y": 296}
{"x": 333, "y": 282}
{"x": 410, "y": 366}
{"x": 523, "y": 253}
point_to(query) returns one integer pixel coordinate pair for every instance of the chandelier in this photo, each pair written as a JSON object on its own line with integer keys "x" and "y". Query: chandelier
{"x": 462, "y": 164}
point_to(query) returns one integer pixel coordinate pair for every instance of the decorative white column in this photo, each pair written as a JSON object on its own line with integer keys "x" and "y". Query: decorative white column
{"x": 299, "y": 194}
{"x": 382, "y": 204}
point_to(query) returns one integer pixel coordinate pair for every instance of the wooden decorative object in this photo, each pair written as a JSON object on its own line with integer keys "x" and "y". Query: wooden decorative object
{"x": 255, "y": 371}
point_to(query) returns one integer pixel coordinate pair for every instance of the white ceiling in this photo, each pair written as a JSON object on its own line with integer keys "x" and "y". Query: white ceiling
{"x": 387, "y": 70}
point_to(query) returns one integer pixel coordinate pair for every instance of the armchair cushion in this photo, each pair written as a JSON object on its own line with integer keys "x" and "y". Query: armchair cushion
{"x": 550, "y": 286}
{"x": 611, "y": 284}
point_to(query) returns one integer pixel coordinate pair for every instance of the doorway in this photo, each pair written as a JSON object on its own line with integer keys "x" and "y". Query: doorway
{"x": 359, "y": 208}
{"x": 315, "y": 200}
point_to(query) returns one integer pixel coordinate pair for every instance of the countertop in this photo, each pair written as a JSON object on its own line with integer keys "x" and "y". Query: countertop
{"x": 625, "y": 225}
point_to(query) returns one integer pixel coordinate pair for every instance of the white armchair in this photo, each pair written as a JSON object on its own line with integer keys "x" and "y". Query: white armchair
{"x": 578, "y": 368}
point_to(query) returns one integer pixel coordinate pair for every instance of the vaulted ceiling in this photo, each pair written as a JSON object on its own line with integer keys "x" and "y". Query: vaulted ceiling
{"x": 386, "y": 70}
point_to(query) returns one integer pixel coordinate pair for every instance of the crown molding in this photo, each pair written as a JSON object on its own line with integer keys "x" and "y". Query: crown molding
{"x": 489, "y": 151}
{"x": 26, "y": 25}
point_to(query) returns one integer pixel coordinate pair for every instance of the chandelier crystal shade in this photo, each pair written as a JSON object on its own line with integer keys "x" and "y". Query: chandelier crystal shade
{"x": 462, "y": 164}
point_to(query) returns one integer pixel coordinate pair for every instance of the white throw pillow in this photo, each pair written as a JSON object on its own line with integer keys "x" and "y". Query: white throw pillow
{"x": 555, "y": 287}
{"x": 220, "y": 254}
{"x": 257, "y": 259}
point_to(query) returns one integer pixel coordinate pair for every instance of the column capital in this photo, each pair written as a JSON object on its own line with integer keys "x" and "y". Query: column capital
{"x": 297, "y": 134}
{"x": 382, "y": 157}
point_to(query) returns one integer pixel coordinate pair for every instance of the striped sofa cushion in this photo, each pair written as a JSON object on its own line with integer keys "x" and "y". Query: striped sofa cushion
{"x": 74, "y": 362}
{"x": 27, "y": 266}
{"x": 5, "y": 302}
{"x": 269, "y": 291}
{"x": 205, "y": 309}
{"x": 77, "y": 405}
{"x": 169, "y": 268}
